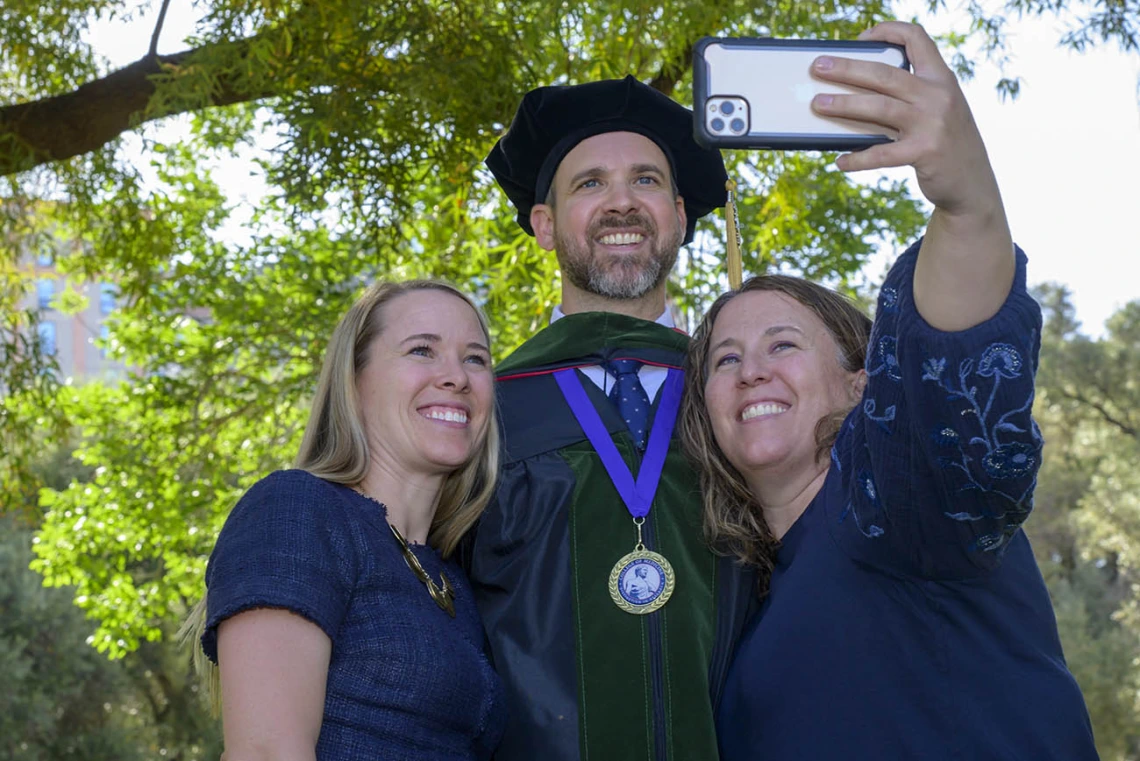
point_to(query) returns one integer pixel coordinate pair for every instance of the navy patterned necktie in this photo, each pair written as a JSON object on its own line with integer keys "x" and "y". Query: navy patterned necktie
{"x": 629, "y": 396}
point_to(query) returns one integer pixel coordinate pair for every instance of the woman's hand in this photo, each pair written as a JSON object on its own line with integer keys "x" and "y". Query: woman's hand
{"x": 966, "y": 264}
{"x": 937, "y": 133}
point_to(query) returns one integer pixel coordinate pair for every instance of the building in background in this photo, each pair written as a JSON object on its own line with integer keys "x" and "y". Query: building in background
{"x": 71, "y": 338}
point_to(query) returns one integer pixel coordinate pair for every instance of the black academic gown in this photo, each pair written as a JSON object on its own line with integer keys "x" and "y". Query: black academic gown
{"x": 585, "y": 679}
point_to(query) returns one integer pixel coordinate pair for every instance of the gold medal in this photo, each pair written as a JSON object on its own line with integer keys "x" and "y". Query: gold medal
{"x": 642, "y": 581}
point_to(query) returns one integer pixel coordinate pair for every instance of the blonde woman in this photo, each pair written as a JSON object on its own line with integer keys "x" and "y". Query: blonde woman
{"x": 340, "y": 626}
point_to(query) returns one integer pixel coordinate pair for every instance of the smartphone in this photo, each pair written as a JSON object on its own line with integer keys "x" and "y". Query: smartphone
{"x": 756, "y": 92}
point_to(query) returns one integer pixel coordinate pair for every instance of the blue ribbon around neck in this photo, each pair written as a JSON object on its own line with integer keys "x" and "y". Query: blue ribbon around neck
{"x": 638, "y": 496}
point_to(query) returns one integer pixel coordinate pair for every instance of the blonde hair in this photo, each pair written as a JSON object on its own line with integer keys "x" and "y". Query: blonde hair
{"x": 733, "y": 520}
{"x": 335, "y": 448}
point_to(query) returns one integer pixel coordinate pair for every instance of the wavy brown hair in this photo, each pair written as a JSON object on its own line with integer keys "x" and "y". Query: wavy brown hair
{"x": 733, "y": 519}
{"x": 335, "y": 448}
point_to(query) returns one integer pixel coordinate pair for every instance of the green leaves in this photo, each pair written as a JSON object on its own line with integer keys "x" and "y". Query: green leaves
{"x": 132, "y": 540}
{"x": 1086, "y": 521}
{"x": 798, "y": 214}
{"x": 62, "y": 699}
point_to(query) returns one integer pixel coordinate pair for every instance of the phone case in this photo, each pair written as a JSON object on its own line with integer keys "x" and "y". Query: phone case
{"x": 756, "y": 92}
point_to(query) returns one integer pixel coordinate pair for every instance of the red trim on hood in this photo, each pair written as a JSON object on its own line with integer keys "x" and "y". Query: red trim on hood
{"x": 532, "y": 373}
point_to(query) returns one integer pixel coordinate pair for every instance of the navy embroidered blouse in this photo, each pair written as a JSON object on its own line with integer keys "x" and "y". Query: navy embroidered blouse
{"x": 907, "y": 618}
{"x": 405, "y": 680}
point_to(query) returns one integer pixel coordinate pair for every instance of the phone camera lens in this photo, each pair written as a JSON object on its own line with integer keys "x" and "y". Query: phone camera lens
{"x": 727, "y": 108}
{"x": 737, "y": 125}
{"x": 717, "y": 125}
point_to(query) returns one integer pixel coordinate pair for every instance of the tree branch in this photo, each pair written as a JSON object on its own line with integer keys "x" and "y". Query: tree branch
{"x": 672, "y": 70}
{"x": 1107, "y": 416}
{"x": 158, "y": 29}
{"x": 95, "y": 113}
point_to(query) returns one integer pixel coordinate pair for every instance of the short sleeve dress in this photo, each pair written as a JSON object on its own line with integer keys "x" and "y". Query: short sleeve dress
{"x": 405, "y": 680}
{"x": 907, "y": 617}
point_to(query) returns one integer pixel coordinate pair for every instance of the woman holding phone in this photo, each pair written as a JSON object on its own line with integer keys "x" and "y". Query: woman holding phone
{"x": 339, "y": 625}
{"x": 879, "y": 474}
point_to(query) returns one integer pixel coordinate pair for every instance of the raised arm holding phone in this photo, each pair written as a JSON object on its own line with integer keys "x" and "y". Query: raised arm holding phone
{"x": 878, "y": 474}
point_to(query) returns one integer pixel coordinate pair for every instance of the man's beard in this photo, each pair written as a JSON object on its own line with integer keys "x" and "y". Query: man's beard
{"x": 619, "y": 276}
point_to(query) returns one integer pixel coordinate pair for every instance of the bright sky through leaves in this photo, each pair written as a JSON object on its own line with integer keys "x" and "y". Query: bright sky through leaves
{"x": 1066, "y": 152}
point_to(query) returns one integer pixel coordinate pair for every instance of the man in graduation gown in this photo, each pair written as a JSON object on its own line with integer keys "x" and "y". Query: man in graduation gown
{"x": 604, "y": 659}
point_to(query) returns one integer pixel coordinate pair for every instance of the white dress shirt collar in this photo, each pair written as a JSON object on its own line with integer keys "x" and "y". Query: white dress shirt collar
{"x": 665, "y": 319}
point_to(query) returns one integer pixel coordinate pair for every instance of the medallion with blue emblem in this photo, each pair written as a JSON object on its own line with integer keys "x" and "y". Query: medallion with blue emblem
{"x": 641, "y": 581}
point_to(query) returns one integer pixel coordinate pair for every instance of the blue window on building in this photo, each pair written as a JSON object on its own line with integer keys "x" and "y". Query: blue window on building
{"x": 47, "y": 337}
{"x": 46, "y": 256}
{"x": 107, "y": 294}
{"x": 45, "y": 290}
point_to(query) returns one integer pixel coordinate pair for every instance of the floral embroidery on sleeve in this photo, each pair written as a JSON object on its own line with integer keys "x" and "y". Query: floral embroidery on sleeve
{"x": 888, "y": 415}
{"x": 869, "y": 492}
{"x": 939, "y": 460}
{"x": 886, "y": 352}
{"x": 977, "y": 438}
{"x": 1005, "y": 451}
{"x": 888, "y": 299}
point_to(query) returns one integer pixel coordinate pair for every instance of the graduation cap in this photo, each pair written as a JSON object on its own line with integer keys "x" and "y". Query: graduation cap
{"x": 552, "y": 120}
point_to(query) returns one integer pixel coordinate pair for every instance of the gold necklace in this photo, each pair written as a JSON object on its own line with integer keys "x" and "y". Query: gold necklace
{"x": 445, "y": 597}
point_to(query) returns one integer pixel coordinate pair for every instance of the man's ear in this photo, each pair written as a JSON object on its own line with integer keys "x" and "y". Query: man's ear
{"x": 542, "y": 222}
{"x": 680, "y": 203}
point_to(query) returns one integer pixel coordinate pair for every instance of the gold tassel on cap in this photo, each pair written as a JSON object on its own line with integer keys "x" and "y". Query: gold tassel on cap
{"x": 735, "y": 241}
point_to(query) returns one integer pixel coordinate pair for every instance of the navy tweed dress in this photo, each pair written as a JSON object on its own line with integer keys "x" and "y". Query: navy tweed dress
{"x": 405, "y": 680}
